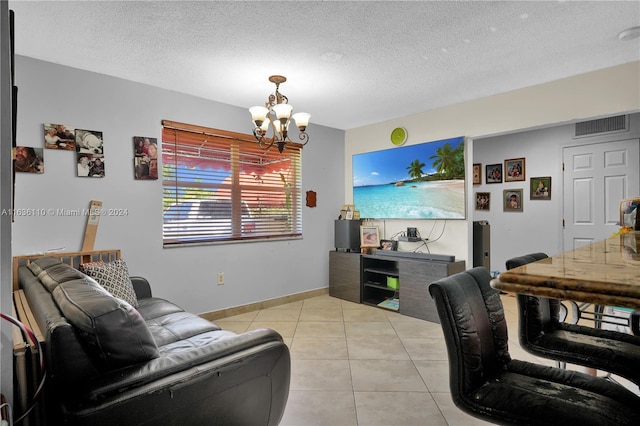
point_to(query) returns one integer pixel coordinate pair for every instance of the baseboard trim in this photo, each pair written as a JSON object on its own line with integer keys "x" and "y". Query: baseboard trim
{"x": 269, "y": 303}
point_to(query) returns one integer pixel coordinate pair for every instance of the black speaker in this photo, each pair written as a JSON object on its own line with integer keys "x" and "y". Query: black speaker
{"x": 347, "y": 235}
{"x": 482, "y": 244}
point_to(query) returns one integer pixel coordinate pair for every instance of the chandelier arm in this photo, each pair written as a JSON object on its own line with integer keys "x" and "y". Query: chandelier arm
{"x": 263, "y": 143}
{"x": 257, "y": 133}
{"x": 304, "y": 137}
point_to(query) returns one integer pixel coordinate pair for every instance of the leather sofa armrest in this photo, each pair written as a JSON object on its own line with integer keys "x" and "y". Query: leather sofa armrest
{"x": 142, "y": 287}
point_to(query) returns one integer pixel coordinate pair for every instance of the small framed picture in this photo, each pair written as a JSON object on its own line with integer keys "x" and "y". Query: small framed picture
{"x": 28, "y": 159}
{"x": 483, "y": 200}
{"x": 514, "y": 170}
{"x": 89, "y": 142}
{"x": 477, "y": 174}
{"x": 346, "y": 212}
{"x": 540, "y": 188}
{"x": 145, "y": 158}
{"x": 389, "y": 245}
{"x": 512, "y": 200}
{"x": 59, "y": 136}
{"x": 90, "y": 165}
{"x": 493, "y": 173}
{"x": 369, "y": 236}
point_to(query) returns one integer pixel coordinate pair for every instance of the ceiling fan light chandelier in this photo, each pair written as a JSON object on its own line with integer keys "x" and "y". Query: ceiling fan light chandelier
{"x": 277, "y": 111}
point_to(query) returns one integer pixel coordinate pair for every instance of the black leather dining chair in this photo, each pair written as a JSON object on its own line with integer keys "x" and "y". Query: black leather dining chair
{"x": 487, "y": 383}
{"x": 543, "y": 333}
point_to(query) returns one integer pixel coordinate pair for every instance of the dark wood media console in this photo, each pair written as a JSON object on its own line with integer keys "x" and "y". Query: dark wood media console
{"x": 363, "y": 279}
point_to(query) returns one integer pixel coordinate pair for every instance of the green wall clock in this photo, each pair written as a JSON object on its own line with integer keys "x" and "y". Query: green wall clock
{"x": 399, "y": 136}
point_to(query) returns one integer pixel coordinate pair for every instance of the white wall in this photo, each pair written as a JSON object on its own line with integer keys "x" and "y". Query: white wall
{"x": 597, "y": 94}
{"x": 538, "y": 228}
{"x": 122, "y": 109}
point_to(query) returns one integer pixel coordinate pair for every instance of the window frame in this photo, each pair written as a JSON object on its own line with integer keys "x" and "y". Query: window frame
{"x": 183, "y": 144}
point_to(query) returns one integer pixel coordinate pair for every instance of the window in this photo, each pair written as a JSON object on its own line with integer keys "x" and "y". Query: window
{"x": 220, "y": 186}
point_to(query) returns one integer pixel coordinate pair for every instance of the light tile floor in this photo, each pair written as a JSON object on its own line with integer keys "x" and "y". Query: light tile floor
{"x": 355, "y": 364}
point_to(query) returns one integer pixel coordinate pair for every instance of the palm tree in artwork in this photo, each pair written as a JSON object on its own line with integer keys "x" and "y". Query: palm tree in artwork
{"x": 415, "y": 169}
{"x": 443, "y": 160}
{"x": 449, "y": 162}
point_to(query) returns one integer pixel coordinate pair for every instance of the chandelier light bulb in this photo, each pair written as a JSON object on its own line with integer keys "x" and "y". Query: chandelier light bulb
{"x": 277, "y": 126}
{"x": 283, "y": 111}
{"x": 258, "y": 114}
{"x": 301, "y": 119}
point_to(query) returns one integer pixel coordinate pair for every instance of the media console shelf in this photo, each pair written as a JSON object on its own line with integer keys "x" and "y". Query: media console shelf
{"x": 414, "y": 274}
{"x": 375, "y": 274}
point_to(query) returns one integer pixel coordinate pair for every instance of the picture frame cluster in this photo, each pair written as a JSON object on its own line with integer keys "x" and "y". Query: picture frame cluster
{"x": 88, "y": 148}
{"x": 514, "y": 170}
{"x": 510, "y": 170}
{"x": 349, "y": 212}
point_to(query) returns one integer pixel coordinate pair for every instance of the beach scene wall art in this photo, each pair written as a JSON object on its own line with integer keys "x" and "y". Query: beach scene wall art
{"x": 421, "y": 181}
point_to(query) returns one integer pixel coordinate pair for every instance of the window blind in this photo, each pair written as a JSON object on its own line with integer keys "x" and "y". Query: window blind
{"x": 220, "y": 186}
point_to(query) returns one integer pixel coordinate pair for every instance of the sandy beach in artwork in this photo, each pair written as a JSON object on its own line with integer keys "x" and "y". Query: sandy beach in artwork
{"x": 454, "y": 185}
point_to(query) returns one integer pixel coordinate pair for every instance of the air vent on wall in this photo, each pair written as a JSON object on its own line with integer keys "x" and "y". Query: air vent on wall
{"x": 601, "y": 125}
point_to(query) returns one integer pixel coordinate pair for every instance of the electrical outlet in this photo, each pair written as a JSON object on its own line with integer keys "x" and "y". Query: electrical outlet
{"x": 220, "y": 278}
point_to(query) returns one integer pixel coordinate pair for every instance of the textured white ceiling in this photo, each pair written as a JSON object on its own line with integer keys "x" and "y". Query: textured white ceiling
{"x": 349, "y": 64}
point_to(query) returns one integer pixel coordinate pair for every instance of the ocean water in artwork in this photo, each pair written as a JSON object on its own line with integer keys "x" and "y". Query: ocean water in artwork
{"x": 413, "y": 200}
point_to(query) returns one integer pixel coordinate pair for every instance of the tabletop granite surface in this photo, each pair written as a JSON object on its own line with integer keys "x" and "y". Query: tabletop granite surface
{"x": 605, "y": 272}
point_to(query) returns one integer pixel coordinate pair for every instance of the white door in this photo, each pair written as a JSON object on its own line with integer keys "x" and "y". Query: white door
{"x": 596, "y": 177}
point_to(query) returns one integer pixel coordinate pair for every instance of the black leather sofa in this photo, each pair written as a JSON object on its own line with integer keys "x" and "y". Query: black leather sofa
{"x": 109, "y": 363}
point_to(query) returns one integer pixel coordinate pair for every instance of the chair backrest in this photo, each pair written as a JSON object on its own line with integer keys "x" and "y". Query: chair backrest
{"x": 523, "y": 260}
{"x": 475, "y": 329}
